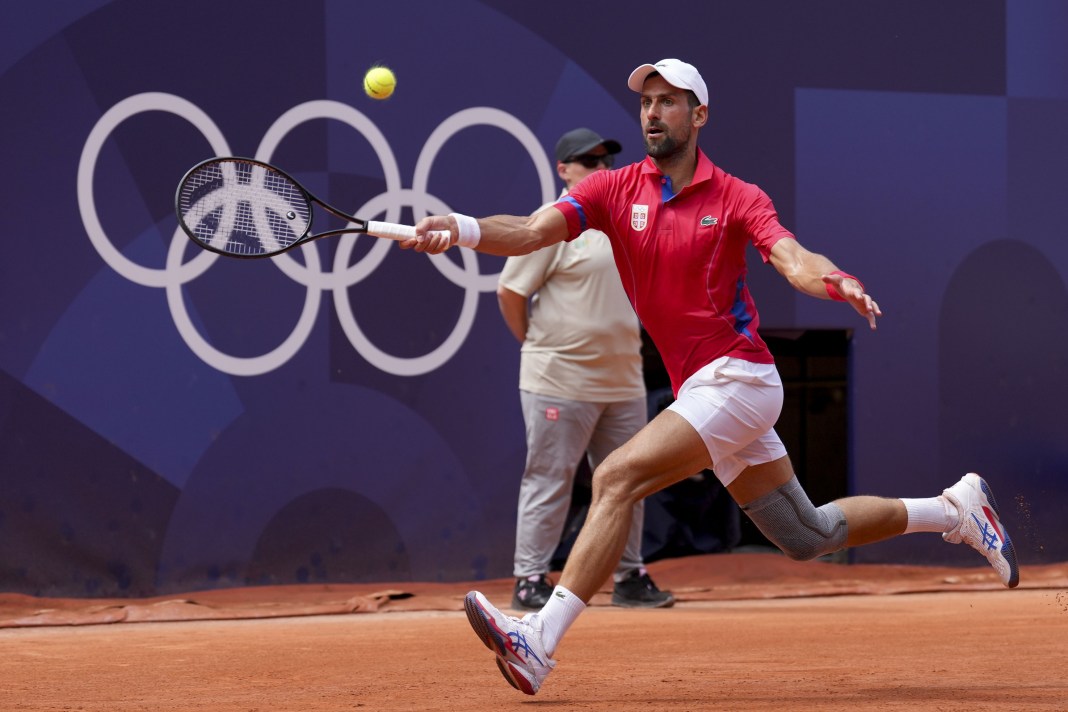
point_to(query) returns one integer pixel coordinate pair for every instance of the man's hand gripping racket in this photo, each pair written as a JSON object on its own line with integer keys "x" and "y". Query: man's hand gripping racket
{"x": 433, "y": 235}
{"x": 240, "y": 207}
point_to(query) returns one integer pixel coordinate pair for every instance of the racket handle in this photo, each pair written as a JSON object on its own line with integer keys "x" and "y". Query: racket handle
{"x": 393, "y": 231}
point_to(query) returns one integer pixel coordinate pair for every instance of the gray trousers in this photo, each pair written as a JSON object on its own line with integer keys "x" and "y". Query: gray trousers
{"x": 554, "y": 446}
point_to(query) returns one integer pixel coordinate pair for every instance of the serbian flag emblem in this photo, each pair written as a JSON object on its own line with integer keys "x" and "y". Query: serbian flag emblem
{"x": 639, "y": 217}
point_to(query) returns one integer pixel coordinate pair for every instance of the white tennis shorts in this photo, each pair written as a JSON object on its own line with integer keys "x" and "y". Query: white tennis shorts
{"x": 733, "y": 406}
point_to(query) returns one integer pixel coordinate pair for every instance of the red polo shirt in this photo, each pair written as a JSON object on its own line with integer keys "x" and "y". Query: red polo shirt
{"x": 682, "y": 257}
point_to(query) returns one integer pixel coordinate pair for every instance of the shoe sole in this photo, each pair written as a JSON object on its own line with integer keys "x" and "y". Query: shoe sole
{"x": 1008, "y": 551}
{"x": 482, "y": 623}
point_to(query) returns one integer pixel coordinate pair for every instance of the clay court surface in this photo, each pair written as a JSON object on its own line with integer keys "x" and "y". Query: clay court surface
{"x": 750, "y": 632}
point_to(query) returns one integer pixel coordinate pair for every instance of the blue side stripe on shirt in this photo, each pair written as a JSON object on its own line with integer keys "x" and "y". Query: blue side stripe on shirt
{"x": 742, "y": 318}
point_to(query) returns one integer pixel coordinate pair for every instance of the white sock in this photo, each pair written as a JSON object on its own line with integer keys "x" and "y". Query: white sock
{"x": 557, "y": 615}
{"x": 930, "y": 514}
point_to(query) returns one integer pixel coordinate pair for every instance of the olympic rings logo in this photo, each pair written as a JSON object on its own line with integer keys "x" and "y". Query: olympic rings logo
{"x": 177, "y": 273}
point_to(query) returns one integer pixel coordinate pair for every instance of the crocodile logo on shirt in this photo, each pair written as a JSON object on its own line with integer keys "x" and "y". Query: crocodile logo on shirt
{"x": 709, "y": 220}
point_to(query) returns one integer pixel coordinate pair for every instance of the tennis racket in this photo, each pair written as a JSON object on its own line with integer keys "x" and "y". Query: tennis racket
{"x": 240, "y": 207}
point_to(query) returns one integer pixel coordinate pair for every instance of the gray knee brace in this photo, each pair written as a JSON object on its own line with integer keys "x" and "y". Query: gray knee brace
{"x": 788, "y": 519}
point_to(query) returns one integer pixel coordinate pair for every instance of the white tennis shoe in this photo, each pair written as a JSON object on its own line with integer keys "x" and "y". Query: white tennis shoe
{"x": 516, "y": 642}
{"x": 980, "y": 527}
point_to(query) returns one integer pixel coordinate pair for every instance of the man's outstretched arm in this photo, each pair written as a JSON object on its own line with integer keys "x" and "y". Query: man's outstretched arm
{"x": 818, "y": 277}
{"x": 498, "y": 235}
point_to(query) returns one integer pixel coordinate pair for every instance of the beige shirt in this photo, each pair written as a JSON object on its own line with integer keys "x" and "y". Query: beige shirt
{"x": 584, "y": 340}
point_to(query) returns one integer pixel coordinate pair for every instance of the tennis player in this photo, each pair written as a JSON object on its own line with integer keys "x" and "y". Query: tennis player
{"x": 679, "y": 226}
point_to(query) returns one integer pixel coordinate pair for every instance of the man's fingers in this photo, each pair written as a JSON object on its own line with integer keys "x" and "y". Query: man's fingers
{"x": 871, "y": 311}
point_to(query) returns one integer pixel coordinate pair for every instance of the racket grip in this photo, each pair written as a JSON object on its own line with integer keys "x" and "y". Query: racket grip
{"x": 393, "y": 231}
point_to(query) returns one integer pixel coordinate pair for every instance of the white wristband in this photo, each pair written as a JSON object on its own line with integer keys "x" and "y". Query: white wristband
{"x": 467, "y": 229}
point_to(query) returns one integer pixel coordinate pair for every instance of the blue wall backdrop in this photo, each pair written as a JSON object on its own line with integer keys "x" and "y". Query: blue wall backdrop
{"x": 171, "y": 421}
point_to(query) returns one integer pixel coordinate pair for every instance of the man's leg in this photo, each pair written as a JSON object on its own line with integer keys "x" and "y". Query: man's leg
{"x": 724, "y": 408}
{"x": 870, "y": 519}
{"x": 771, "y": 496}
{"x": 619, "y": 422}
{"x": 664, "y": 452}
{"x": 964, "y": 513}
{"x": 633, "y": 587}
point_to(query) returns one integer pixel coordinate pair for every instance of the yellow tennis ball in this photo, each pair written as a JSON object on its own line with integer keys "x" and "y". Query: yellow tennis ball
{"x": 379, "y": 82}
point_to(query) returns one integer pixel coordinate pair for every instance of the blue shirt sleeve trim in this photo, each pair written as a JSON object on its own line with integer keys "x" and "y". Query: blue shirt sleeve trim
{"x": 578, "y": 209}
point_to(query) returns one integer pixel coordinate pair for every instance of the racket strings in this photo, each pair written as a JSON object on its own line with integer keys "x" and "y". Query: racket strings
{"x": 243, "y": 208}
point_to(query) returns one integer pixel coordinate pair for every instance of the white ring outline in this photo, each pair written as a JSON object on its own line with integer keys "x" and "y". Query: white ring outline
{"x": 475, "y": 116}
{"x": 130, "y": 106}
{"x": 328, "y": 109}
{"x": 238, "y": 365}
{"x": 415, "y": 366}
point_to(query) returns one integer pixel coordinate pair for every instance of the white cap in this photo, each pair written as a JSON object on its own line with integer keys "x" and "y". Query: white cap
{"x": 675, "y": 72}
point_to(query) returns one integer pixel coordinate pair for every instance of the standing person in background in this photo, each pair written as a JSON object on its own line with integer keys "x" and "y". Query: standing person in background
{"x": 580, "y": 384}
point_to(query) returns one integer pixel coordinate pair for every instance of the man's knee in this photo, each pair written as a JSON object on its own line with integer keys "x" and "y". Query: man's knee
{"x": 788, "y": 519}
{"x": 618, "y": 480}
{"x": 609, "y": 480}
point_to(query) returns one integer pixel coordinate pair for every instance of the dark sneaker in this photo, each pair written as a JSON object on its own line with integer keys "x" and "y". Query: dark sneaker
{"x": 532, "y": 592}
{"x": 639, "y": 591}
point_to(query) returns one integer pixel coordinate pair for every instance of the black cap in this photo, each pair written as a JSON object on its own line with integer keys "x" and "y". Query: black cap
{"x": 580, "y": 141}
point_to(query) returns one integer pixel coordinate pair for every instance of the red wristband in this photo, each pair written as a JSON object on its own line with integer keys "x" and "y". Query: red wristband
{"x": 833, "y": 293}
